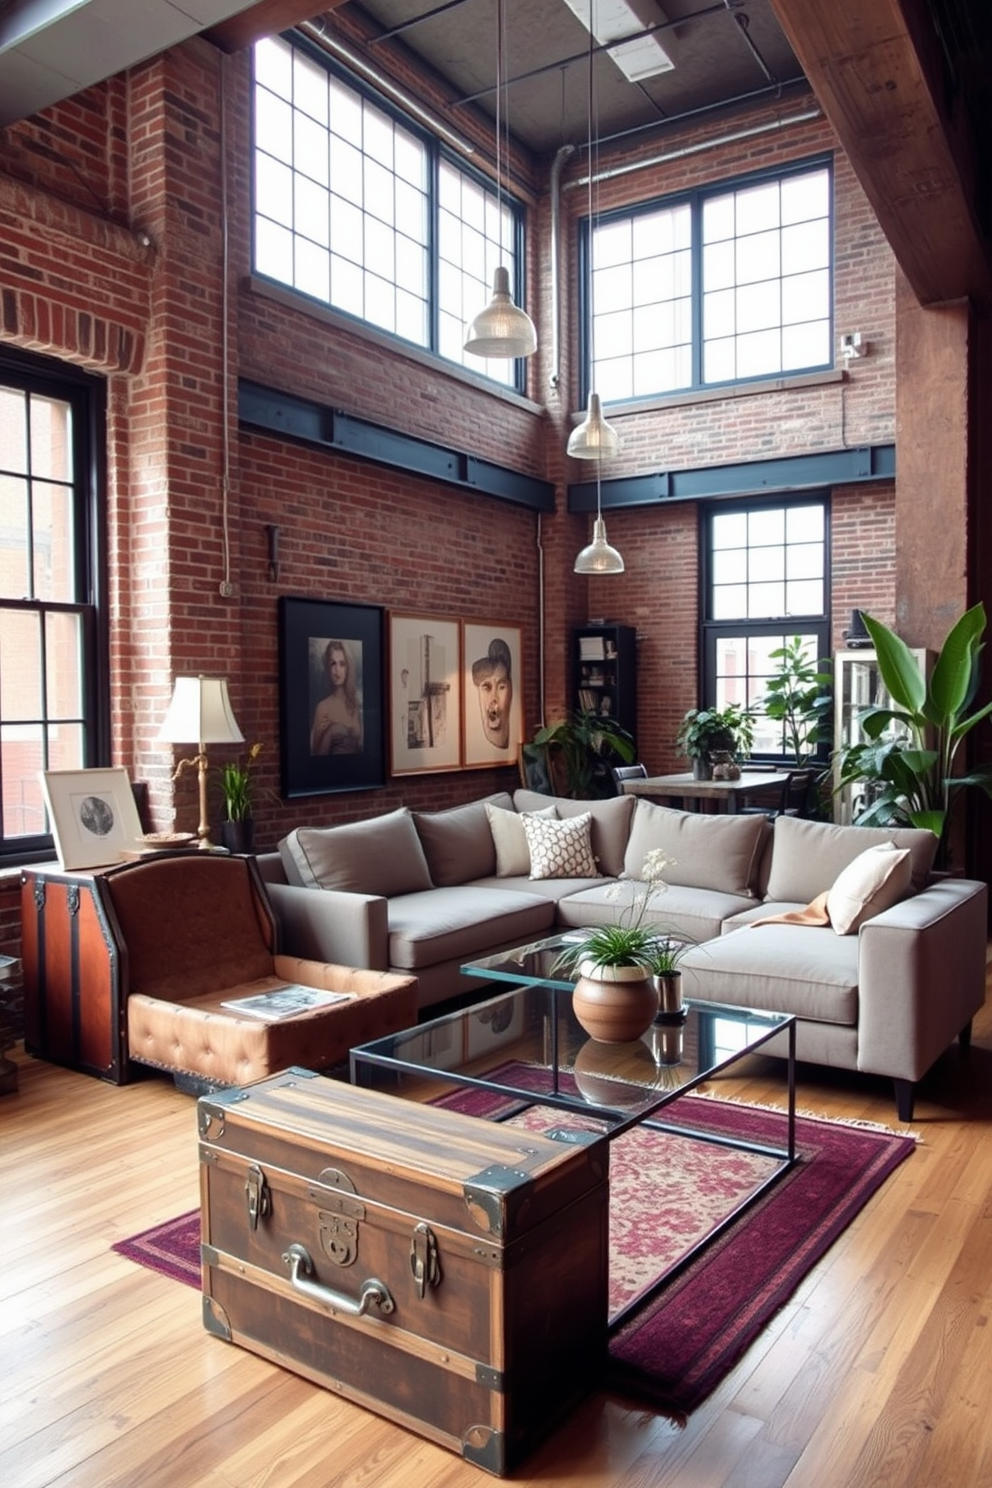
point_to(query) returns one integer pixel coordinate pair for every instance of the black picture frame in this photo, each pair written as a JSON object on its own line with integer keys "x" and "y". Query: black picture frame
{"x": 341, "y": 747}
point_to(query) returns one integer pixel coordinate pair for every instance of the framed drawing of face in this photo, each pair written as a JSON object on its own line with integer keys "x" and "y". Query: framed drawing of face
{"x": 492, "y": 693}
{"x": 425, "y": 695}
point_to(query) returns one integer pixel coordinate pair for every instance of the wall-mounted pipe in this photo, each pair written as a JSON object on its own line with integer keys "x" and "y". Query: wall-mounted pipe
{"x": 556, "y": 170}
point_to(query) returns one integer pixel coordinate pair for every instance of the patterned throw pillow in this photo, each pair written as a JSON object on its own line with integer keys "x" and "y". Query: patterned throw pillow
{"x": 561, "y": 849}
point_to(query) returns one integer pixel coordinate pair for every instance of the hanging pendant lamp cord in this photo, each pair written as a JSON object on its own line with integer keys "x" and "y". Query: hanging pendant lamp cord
{"x": 500, "y": 22}
{"x": 589, "y": 243}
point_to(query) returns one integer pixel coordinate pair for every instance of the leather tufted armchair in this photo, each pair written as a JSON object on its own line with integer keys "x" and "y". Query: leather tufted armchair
{"x": 194, "y": 930}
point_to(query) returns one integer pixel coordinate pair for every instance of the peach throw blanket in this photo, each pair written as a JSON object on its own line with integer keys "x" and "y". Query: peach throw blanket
{"x": 815, "y": 913}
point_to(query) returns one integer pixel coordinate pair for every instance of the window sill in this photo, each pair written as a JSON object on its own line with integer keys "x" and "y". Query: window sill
{"x": 393, "y": 344}
{"x": 722, "y": 394}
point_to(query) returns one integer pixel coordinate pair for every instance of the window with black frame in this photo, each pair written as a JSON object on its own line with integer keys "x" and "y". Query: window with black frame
{"x": 766, "y": 592}
{"x": 728, "y": 283}
{"x": 51, "y": 438}
{"x": 360, "y": 209}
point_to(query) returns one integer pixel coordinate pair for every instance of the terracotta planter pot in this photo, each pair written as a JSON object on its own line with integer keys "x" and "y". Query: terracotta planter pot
{"x": 614, "y": 1004}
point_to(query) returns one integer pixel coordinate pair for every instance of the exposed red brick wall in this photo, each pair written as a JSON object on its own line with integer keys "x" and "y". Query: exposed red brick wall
{"x": 83, "y": 185}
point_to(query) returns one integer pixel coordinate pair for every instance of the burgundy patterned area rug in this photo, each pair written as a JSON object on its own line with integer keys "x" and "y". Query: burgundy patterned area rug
{"x": 664, "y": 1190}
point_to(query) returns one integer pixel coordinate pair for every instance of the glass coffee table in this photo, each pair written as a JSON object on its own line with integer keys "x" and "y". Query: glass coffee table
{"x": 525, "y": 1048}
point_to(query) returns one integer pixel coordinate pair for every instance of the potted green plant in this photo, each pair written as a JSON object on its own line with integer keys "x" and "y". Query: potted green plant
{"x": 909, "y": 752}
{"x": 798, "y": 695}
{"x": 587, "y": 744}
{"x": 237, "y": 830}
{"x": 704, "y": 732}
{"x": 615, "y": 997}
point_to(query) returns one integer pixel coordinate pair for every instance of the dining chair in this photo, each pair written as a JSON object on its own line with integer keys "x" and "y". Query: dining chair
{"x": 621, "y": 773}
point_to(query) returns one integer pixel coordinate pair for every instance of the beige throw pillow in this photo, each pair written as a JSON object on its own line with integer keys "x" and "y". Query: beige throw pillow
{"x": 510, "y": 839}
{"x": 877, "y": 879}
{"x": 560, "y": 849}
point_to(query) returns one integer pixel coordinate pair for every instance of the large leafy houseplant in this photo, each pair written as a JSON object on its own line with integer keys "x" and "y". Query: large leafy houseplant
{"x": 910, "y": 747}
{"x": 588, "y": 744}
{"x": 798, "y": 696}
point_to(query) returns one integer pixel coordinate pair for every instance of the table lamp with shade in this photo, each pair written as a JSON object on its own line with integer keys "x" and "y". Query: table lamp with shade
{"x": 200, "y": 713}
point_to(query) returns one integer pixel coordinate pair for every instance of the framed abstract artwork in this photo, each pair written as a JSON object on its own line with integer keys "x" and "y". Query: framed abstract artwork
{"x": 93, "y": 816}
{"x": 331, "y": 696}
{"x": 425, "y": 696}
{"x": 492, "y": 693}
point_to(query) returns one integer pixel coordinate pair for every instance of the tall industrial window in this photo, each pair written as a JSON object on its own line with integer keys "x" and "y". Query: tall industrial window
{"x": 767, "y": 581}
{"x": 358, "y": 209}
{"x": 49, "y": 563}
{"x": 718, "y": 286}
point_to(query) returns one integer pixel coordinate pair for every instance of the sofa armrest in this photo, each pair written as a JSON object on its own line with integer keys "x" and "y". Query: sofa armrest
{"x": 921, "y": 976}
{"x": 332, "y": 925}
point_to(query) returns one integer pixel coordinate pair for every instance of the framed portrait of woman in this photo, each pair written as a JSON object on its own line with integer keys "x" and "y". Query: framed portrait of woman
{"x": 331, "y": 696}
{"x": 425, "y": 695}
{"x": 492, "y": 693}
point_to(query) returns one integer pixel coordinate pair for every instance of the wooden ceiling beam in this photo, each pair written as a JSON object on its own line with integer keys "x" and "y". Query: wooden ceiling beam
{"x": 265, "y": 19}
{"x": 877, "y": 72}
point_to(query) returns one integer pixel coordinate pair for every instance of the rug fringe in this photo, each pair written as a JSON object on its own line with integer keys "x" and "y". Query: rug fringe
{"x": 809, "y": 1115}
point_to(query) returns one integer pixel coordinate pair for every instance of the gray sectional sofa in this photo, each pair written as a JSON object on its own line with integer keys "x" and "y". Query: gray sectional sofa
{"x": 426, "y": 892}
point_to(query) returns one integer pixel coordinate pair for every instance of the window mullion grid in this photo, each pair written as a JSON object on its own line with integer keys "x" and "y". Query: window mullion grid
{"x": 697, "y": 289}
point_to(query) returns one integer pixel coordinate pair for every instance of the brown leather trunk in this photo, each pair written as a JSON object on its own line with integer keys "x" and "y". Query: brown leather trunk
{"x": 484, "y": 1246}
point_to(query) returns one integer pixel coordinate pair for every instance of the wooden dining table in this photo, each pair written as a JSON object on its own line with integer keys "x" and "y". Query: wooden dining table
{"x": 756, "y": 787}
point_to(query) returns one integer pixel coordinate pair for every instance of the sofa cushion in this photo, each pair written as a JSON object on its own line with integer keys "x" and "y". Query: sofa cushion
{"x": 808, "y": 855}
{"x": 812, "y": 973}
{"x": 873, "y": 882}
{"x": 457, "y": 843}
{"x": 379, "y": 856}
{"x": 695, "y": 914}
{"x": 610, "y": 823}
{"x": 560, "y": 849}
{"x": 705, "y": 851}
{"x": 510, "y": 839}
{"x": 462, "y": 922}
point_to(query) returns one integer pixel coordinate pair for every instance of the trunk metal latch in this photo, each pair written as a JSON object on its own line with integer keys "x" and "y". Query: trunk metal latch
{"x": 257, "y": 1197}
{"x": 424, "y": 1260}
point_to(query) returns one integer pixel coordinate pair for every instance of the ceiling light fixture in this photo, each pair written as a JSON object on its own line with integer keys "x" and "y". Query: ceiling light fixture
{"x": 502, "y": 329}
{"x": 645, "y": 54}
{"x": 594, "y": 438}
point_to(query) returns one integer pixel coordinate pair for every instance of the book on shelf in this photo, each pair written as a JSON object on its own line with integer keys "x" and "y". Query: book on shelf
{"x": 591, "y": 648}
{"x": 285, "y": 1002}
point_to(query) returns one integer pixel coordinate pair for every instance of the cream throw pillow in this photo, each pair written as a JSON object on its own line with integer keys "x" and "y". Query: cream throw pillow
{"x": 876, "y": 879}
{"x": 561, "y": 849}
{"x": 510, "y": 840}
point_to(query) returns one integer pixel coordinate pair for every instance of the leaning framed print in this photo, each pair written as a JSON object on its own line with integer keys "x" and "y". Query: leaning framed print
{"x": 331, "y": 707}
{"x": 93, "y": 816}
{"x": 425, "y": 695}
{"x": 492, "y": 693}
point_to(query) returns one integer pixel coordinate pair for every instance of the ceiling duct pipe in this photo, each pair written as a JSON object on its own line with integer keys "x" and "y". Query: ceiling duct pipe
{"x": 556, "y": 170}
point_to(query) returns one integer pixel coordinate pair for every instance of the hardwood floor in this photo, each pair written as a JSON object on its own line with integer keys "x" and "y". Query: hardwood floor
{"x": 877, "y": 1372}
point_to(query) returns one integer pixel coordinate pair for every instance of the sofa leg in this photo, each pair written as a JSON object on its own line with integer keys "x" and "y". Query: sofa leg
{"x": 905, "y": 1098}
{"x": 964, "y": 1037}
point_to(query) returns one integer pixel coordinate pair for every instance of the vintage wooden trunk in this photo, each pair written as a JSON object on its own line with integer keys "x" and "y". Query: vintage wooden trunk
{"x": 447, "y": 1272}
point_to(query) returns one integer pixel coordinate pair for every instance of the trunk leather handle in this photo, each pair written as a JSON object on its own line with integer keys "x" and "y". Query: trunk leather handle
{"x": 373, "y": 1293}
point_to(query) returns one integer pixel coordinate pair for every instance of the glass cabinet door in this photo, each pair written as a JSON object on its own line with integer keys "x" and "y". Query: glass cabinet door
{"x": 858, "y": 685}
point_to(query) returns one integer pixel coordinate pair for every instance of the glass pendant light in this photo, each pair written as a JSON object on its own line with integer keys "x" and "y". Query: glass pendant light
{"x": 599, "y": 557}
{"x": 502, "y": 329}
{"x": 594, "y": 438}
